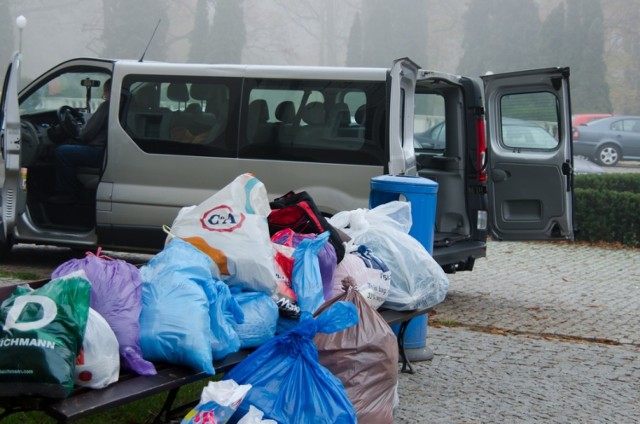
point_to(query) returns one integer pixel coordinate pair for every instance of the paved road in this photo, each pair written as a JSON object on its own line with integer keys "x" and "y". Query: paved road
{"x": 547, "y": 333}
{"x": 538, "y": 332}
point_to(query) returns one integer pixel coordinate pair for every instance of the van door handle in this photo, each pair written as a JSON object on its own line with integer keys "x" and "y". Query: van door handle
{"x": 567, "y": 170}
{"x": 499, "y": 175}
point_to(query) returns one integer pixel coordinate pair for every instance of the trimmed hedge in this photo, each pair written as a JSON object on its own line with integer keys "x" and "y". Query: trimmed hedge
{"x": 608, "y": 182}
{"x": 607, "y": 208}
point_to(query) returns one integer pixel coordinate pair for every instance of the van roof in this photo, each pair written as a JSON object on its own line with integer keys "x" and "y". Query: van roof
{"x": 255, "y": 71}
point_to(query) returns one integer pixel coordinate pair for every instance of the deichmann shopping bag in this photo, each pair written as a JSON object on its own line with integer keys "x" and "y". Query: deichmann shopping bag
{"x": 42, "y": 332}
{"x": 231, "y": 228}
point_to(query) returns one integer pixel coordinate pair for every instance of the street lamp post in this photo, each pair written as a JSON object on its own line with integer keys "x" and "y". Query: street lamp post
{"x": 21, "y": 23}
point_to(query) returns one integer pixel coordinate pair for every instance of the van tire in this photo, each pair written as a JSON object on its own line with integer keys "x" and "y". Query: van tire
{"x": 5, "y": 248}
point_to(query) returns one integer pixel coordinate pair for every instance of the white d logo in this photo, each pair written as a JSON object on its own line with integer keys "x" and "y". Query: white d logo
{"x": 49, "y": 309}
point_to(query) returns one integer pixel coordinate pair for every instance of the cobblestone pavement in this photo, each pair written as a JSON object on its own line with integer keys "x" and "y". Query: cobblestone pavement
{"x": 538, "y": 332}
{"x": 547, "y": 333}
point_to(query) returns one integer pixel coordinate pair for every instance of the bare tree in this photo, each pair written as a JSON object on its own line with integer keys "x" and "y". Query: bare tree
{"x": 228, "y": 31}
{"x": 199, "y": 37}
{"x": 622, "y": 54}
{"x": 126, "y": 35}
{"x": 355, "y": 48}
{"x": 327, "y": 23}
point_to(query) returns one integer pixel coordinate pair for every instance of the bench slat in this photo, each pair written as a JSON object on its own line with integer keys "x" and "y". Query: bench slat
{"x": 135, "y": 388}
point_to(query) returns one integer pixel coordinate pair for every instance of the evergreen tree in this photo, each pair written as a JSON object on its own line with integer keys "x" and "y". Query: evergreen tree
{"x": 200, "y": 51}
{"x": 141, "y": 15}
{"x": 499, "y": 36}
{"x": 553, "y": 45}
{"x": 228, "y": 33}
{"x": 354, "y": 46}
{"x": 585, "y": 36}
{"x": 394, "y": 29}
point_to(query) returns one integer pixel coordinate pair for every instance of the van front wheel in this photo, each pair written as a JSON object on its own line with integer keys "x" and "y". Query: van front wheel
{"x": 5, "y": 247}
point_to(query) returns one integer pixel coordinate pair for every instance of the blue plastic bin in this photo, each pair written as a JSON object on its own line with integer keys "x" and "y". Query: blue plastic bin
{"x": 422, "y": 194}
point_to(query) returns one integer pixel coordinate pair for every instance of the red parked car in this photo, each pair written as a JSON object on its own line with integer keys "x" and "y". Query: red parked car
{"x": 579, "y": 119}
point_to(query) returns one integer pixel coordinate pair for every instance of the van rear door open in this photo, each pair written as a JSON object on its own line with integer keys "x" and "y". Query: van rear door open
{"x": 529, "y": 165}
{"x": 529, "y": 156}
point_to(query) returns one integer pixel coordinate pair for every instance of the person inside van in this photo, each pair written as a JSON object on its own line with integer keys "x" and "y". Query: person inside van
{"x": 88, "y": 152}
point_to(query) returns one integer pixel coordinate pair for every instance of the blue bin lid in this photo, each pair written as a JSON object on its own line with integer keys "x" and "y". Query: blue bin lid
{"x": 404, "y": 183}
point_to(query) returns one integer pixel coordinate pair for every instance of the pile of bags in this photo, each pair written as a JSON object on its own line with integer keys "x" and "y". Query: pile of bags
{"x": 237, "y": 271}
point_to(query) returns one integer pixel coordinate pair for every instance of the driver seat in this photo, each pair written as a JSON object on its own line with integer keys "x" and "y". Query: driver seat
{"x": 89, "y": 177}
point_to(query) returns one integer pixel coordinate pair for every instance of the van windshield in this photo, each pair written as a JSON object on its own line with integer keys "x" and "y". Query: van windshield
{"x": 66, "y": 89}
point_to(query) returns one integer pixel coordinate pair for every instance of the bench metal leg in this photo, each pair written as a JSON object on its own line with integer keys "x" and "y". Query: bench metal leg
{"x": 166, "y": 407}
{"x": 406, "y": 365}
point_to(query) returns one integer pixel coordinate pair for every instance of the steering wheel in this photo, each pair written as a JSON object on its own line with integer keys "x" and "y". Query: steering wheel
{"x": 71, "y": 121}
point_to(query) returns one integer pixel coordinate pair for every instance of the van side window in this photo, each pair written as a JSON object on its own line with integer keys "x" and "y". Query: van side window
{"x": 315, "y": 121}
{"x": 528, "y": 121}
{"x": 181, "y": 115}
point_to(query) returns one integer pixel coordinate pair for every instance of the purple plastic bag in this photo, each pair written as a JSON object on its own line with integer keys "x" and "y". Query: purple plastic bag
{"x": 326, "y": 257}
{"x": 116, "y": 294}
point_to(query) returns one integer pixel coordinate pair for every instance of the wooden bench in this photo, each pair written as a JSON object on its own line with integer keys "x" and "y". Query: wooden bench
{"x": 170, "y": 379}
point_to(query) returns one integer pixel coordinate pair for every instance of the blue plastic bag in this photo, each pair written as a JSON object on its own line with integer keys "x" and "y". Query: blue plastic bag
{"x": 260, "y": 318}
{"x": 224, "y": 314}
{"x": 288, "y": 383}
{"x": 306, "y": 277}
{"x": 174, "y": 323}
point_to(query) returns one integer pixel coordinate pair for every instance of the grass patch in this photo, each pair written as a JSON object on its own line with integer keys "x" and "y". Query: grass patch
{"x": 445, "y": 322}
{"x": 30, "y": 276}
{"x": 139, "y": 412}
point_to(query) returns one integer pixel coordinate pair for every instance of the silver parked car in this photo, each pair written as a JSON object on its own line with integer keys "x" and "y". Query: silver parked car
{"x": 608, "y": 140}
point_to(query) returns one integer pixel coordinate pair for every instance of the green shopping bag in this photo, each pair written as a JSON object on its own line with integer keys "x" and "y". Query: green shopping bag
{"x": 41, "y": 335}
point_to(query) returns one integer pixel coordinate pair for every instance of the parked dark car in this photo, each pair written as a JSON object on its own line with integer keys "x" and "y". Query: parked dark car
{"x": 608, "y": 140}
{"x": 517, "y": 133}
{"x": 434, "y": 138}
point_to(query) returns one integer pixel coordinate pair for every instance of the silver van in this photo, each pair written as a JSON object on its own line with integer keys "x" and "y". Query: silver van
{"x": 179, "y": 132}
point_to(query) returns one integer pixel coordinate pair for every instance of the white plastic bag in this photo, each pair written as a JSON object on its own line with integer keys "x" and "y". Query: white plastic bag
{"x": 254, "y": 416}
{"x": 372, "y": 283}
{"x": 218, "y": 402}
{"x": 417, "y": 281}
{"x": 231, "y": 228}
{"x": 98, "y": 363}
